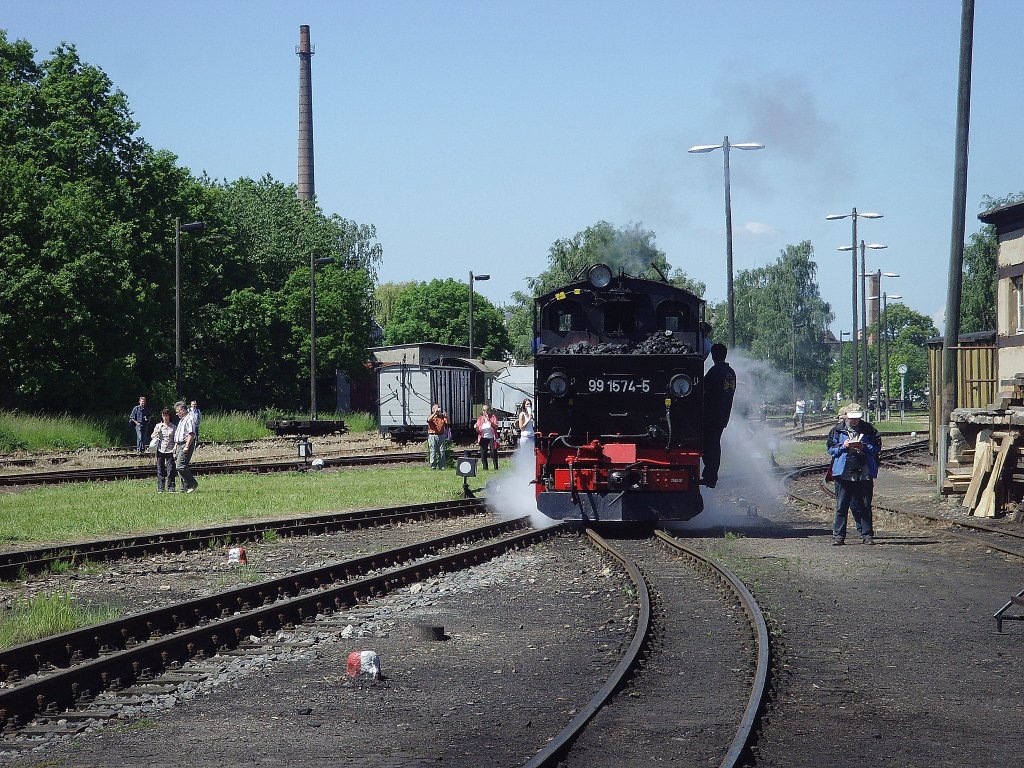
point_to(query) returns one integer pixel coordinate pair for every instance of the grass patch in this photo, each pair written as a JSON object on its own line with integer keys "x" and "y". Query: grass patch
{"x": 86, "y": 510}
{"x": 801, "y": 451}
{"x": 61, "y": 432}
{"x": 45, "y": 615}
{"x": 233, "y": 426}
{"x": 360, "y": 421}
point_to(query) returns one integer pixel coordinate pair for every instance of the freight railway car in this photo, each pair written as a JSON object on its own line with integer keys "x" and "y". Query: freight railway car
{"x": 460, "y": 386}
{"x": 619, "y": 383}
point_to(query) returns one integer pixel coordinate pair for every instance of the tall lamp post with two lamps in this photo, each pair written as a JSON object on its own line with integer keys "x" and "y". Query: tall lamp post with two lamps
{"x": 194, "y": 227}
{"x": 863, "y": 304}
{"x": 472, "y": 279}
{"x": 854, "y": 215}
{"x": 878, "y": 275}
{"x": 884, "y": 316}
{"x": 725, "y": 146}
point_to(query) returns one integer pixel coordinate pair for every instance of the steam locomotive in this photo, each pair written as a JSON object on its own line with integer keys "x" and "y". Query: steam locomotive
{"x": 619, "y": 369}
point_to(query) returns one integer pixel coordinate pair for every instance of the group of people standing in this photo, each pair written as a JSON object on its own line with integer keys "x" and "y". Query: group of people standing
{"x": 174, "y": 443}
{"x": 487, "y": 433}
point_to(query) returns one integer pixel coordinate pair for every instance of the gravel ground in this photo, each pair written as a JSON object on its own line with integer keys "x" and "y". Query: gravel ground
{"x": 887, "y": 655}
{"x": 132, "y": 586}
{"x": 530, "y": 637}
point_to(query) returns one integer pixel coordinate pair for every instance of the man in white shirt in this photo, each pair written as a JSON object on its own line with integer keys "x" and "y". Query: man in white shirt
{"x": 185, "y": 435}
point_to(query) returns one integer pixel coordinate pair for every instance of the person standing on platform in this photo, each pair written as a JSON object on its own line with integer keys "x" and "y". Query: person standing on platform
{"x": 719, "y": 391}
{"x": 194, "y": 411}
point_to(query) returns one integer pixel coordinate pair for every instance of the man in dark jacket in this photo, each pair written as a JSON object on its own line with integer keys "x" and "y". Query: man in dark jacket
{"x": 854, "y": 446}
{"x": 719, "y": 390}
{"x": 139, "y": 419}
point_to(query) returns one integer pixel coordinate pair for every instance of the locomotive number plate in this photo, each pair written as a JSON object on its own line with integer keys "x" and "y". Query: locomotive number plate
{"x": 619, "y": 385}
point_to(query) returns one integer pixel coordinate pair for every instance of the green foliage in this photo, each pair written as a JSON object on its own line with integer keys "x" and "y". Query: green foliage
{"x": 87, "y": 510}
{"x": 48, "y": 614}
{"x": 779, "y": 306}
{"x": 360, "y": 421}
{"x": 77, "y": 197}
{"x": 631, "y": 249}
{"x": 87, "y": 260}
{"x": 385, "y": 297}
{"x": 62, "y": 432}
{"x": 438, "y": 311}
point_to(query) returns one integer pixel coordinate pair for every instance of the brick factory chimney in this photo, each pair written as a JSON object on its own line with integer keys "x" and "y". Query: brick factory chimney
{"x": 305, "y": 176}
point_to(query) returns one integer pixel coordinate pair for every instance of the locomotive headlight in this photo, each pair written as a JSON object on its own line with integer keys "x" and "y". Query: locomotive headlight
{"x": 599, "y": 276}
{"x": 681, "y": 385}
{"x": 557, "y": 384}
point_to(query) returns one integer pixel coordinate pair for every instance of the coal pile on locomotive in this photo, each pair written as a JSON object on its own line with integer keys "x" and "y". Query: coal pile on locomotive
{"x": 658, "y": 343}
{"x": 619, "y": 374}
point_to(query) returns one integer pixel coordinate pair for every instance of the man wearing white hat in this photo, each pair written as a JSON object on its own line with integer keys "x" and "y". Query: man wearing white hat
{"x": 854, "y": 446}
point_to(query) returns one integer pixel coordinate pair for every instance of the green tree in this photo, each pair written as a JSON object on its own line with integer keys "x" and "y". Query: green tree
{"x": 907, "y": 331}
{"x": 781, "y": 317}
{"x": 385, "y": 297}
{"x": 631, "y": 249}
{"x": 78, "y": 194}
{"x": 438, "y": 311}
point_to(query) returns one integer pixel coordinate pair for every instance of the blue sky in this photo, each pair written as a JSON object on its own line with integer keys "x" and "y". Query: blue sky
{"x": 475, "y": 134}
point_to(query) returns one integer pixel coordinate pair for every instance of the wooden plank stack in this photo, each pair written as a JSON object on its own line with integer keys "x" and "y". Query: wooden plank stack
{"x": 992, "y": 473}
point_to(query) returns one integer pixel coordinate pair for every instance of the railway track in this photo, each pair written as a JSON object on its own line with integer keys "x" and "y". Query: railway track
{"x": 23, "y": 562}
{"x": 656, "y": 602}
{"x": 49, "y": 683}
{"x": 289, "y": 464}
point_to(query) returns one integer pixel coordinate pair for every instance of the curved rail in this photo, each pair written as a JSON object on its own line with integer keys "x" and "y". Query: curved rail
{"x": 741, "y": 743}
{"x": 557, "y": 746}
{"x": 759, "y": 690}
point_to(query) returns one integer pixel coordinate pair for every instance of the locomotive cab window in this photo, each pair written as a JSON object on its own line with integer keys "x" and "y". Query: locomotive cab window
{"x": 564, "y": 317}
{"x": 619, "y": 318}
{"x": 675, "y": 317}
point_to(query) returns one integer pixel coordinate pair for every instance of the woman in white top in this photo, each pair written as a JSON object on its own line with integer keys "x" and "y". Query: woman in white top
{"x": 526, "y": 423}
{"x": 163, "y": 435}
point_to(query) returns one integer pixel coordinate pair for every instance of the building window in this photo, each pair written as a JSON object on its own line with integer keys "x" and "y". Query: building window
{"x": 1017, "y": 302}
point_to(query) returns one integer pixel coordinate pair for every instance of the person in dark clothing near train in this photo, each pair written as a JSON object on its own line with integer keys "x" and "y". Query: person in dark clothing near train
{"x": 854, "y": 446}
{"x": 719, "y": 390}
{"x": 140, "y": 417}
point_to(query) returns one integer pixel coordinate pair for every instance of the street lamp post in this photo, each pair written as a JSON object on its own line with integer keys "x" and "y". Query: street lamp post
{"x": 842, "y": 369}
{"x": 796, "y": 325}
{"x": 878, "y": 275}
{"x": 314, "y": 262}
{"x": 197, "y": 227}
{"x": 885, "y": 314}
{"x": 854, "y": 215}
{"x": 725, "y": 146}
{"x": 473, "y": 278}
